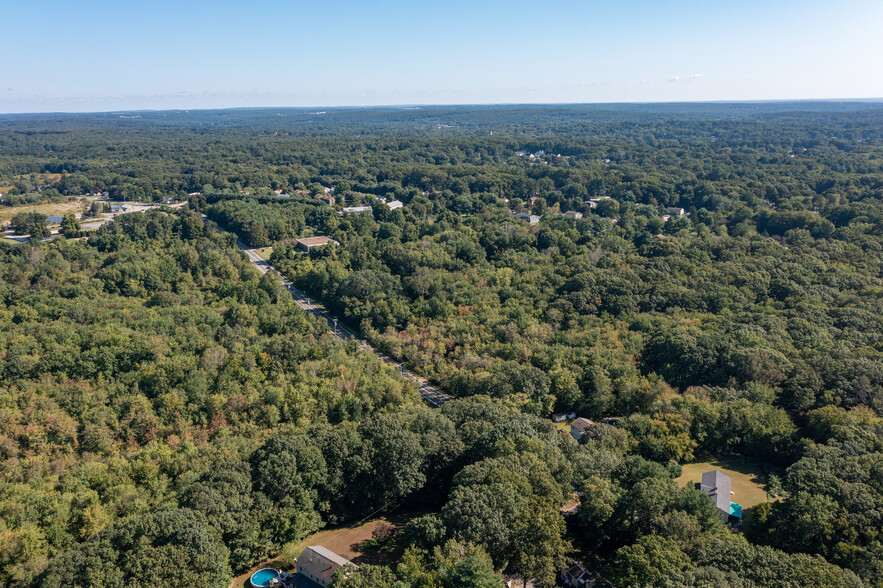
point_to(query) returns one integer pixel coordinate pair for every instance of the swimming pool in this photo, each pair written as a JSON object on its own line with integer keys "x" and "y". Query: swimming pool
{"x": 262, "y": 578}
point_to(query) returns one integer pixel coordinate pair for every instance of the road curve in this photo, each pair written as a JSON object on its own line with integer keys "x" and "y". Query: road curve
{"x": 432, "y": 395}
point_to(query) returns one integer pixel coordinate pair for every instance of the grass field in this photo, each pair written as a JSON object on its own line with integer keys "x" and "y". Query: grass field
{"x": 748, "y": 480}
{"x": 563, "y": 426}
{"x": 264, "y": 253}
{"x": 50, "y": 209}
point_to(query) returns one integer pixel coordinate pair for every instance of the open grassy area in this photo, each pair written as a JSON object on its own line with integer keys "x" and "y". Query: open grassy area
{"x": 49, "y": 209}
{"x": 748, "y": 479}
{"x": 264, "y": 253}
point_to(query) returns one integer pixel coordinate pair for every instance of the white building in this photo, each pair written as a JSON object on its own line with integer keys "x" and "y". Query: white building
{"x": 529, "y": 218}
{"x": 357, "y": 210}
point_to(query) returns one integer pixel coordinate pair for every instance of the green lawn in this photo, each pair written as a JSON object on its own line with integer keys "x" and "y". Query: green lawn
{"x": 563, "y": 426}
{"x": 264, "y": 252}
{"x": 748, "y": 479}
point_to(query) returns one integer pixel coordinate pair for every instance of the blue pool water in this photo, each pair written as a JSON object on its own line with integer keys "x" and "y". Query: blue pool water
{"x": 263, "y": 577}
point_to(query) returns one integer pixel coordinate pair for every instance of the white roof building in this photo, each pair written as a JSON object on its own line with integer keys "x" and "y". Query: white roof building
{"x": 530, "y": 218}
{"x": 357, "y": 210}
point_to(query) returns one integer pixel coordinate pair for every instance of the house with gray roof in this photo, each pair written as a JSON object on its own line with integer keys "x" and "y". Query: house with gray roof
{"x": 528, "y": 218}
{"x": 317, "y": 565}
{"x": 716, "y": 485}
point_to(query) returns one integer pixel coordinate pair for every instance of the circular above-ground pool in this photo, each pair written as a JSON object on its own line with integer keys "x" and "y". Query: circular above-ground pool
{"x": 262, "y": 578}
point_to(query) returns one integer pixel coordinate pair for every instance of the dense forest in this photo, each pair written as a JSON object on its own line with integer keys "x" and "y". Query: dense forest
{"x": 711, "y": 276}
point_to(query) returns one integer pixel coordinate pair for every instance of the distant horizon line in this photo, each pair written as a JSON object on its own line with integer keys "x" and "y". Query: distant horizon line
{"x": 868, "y": 100}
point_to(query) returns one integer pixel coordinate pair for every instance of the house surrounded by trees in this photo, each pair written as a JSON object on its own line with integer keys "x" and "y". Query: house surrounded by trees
{"x": 716, "y": 485}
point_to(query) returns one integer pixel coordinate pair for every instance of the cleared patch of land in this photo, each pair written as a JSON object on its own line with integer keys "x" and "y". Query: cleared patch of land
{"x": 563, "y": 426}
{"x": 49, "y": 209}
{"x": 748, "y": 480}
{"x": 265, "y": 253}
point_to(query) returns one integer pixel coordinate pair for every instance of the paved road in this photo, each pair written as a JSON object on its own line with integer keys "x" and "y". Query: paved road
{"x": 430, "y": 394}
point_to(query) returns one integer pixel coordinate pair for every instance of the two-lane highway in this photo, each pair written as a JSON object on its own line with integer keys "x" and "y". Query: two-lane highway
{"x": 432, "y": 395}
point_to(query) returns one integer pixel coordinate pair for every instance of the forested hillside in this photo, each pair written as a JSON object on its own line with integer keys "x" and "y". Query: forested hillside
{"x": 715, "y": 285}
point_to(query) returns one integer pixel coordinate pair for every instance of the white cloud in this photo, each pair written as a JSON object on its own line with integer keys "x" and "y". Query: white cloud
{"x": 697, "y": 76}
{"x": 674, "y": 79}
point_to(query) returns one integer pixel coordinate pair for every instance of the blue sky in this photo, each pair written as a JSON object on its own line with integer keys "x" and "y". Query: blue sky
{"x": 96, "y": 55}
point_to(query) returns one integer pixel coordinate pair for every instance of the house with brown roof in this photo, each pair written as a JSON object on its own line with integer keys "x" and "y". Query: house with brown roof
{"x": 579, "y": 428}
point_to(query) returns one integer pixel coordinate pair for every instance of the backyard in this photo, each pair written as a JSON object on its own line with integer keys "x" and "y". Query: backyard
{"x": 748, "y": 479}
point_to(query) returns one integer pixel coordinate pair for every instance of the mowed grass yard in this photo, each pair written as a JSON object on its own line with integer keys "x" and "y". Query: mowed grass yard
{"x": 264, "y": 253}
{"x": 748, "y": 480}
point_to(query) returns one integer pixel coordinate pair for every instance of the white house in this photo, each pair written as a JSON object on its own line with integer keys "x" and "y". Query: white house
{"x": 529, "y": 218}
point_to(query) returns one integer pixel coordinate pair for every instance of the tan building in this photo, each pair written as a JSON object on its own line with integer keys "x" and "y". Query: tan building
{"x": 580, "y": 427}
{"x": 318, "y": 564}
{"x": 308, "y": 243}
